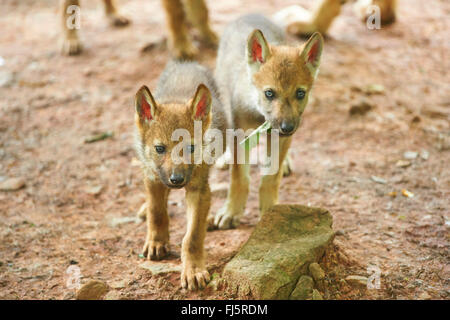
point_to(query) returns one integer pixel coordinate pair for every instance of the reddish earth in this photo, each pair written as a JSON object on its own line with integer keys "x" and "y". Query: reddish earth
{"x": 61, "y": 218}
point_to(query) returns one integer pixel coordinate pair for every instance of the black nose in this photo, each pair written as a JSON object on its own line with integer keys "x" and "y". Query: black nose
{"x": 176, "y": 178}
{"x": 287, "y": 127}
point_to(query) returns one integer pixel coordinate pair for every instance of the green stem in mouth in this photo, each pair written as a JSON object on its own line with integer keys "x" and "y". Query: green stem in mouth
{"x": 252, "y": 139}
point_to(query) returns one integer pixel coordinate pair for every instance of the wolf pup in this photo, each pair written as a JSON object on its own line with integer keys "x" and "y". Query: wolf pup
{"x": 260, "y": 79}
{"x": 186, "y": 92}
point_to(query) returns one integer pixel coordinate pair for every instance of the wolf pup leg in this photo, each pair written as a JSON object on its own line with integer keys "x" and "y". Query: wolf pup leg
{"x": 157, "y": 242}
{"x": 198, "y": 201}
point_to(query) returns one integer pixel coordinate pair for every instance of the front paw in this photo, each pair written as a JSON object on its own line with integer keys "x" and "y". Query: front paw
{"x": 156, "y": 250}
{"x": 225, "y": 219}
{"x": 194, "y": 278}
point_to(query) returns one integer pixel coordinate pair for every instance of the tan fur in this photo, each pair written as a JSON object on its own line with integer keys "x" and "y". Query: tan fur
{"x": 178, "y": 12}
{"x": 178, "y": 93}
{"x": 299, "y": 21}
{"x": 243, "y": 80}
{"x": 70, "y": 42}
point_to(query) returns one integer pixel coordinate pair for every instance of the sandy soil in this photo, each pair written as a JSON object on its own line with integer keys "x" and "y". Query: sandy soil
{"x": 74, "y": 191}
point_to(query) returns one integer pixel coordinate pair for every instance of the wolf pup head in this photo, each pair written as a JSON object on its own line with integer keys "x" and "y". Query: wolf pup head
{"x": 158, "y": 153}
{"x": 283, "y": 77}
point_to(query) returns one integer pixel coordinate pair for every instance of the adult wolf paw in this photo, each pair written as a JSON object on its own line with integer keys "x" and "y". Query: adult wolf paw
{"x": 225, "y": 220}
{"x": 71, "y": 46}
{"x": 156, "y": 250}
{"x": 194, "y": 278}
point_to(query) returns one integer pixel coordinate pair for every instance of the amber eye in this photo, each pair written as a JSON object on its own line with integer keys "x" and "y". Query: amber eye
{"x": 269, "y": 94}
{"x": 160, "y": 149}
{"x": 300, "y": 94}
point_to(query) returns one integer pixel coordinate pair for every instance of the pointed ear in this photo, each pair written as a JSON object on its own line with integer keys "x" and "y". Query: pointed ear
{"x": 201, "y": 104}
{"x": 145, "y": 105}
{"x": 312, "y": 52}
{"x": 258, "y": 50}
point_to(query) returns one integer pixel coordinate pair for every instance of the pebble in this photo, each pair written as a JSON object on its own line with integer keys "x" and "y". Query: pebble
{"x": 160, "y": 268}
{"x": 316, "y": 271}
{"x": 92, "y": 290}
{"x": 378, "y": 179}
{"x": 12, "y": 184}
{"x": 410, "y": 155}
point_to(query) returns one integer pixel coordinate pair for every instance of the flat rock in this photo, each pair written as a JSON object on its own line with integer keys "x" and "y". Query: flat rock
{"x": 160, "y": 268}
{"x": 12, "y": 184}
{"x": 92, "y": 290}
{"x": 287, "y": 239}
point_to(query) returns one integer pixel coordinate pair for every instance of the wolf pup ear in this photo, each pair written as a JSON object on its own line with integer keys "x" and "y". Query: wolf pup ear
{"x": 258, "y": 50}
{"x": 201, "y": 104}
{"x": 312, "y": 51}
{"x": 145, "y": 105}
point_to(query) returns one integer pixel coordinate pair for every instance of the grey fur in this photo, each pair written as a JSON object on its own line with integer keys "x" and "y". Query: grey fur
{"x": 231, "y": 66}
{"x": 178, "y": 83}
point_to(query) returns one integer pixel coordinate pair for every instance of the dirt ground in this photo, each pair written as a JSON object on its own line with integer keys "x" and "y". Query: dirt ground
{"x": 74, "y": 193}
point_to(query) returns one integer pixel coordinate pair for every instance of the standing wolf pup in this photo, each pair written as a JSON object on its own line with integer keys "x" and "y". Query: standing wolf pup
{"x": 260, "y": 79}
{"x": 186, "y": 92}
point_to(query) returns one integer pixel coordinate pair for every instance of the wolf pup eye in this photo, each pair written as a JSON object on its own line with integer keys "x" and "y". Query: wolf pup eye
{"x": 160, "y": 149}
{"x": 269, "y": 94}
{"x": 300, "y": 94}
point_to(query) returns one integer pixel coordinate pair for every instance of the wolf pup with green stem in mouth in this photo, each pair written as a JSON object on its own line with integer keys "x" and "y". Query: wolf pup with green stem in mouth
{"x": 186, "y": 93}
{"x": 261, "y": 78}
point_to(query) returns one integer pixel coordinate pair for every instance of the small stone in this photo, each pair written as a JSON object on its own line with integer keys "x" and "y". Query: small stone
{"x": 424, "y": 154}
{"x": 94, "y": 190}
{"x": 12, "y": 184}
{"x": 6, "y": 78}
{"x": 112, "y": 295}
{"x": 316, "y": 271}
{"x": 160, "y": 268}
{"x": 93, "y": 290}
{"x": 118, "y": 284}
{"x": 356, "y": 280}
{"x": 410, "y": 155}
{"x": 303, "y": 290}
{"x": 378, "y": 180}
{"x": 316, "y": 295}
{"x": 360, "y": 108}
{"x": 403, "y": 163}
{"x": 117, "y": 221}
{"x": 425, "y": 296}
{"x": 374, "y": 89}
{"x": 407, "y": 194}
